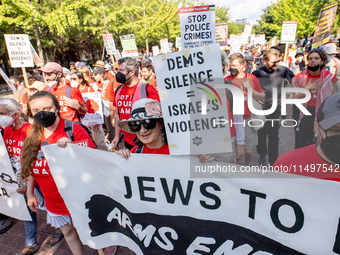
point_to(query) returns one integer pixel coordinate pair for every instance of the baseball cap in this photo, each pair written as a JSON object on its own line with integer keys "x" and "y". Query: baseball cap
{"x": 37, "y": 85}
{"x": 65, "y": 70}
{"x": 72, "y": 63}
{"x": 247, "y": 47}
{"x": 300, "y": 52}
{"x": 99, "y": 63}
{"x": 329, "y": 111}
{"x": 330, "y": 49}
{"x": 80, "y": 64}
{"x": 50, "y": 67}
{"x": 98, "y": 70}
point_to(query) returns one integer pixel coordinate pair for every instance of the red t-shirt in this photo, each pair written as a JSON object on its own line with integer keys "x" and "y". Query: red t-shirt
{"x": 306, "y": 161}
{"x": 86, "y": 89}
{"x": 41, "y": 171}
{"x": 110, "y": 89}
{"x": 90, "y": 81}
{"x": 14, "y": 140}
{"x": 67, "y": 112}
{"x": 123, "y": 106}
{"x": 110, "y": 76}
{"x": 314, "y": 92}
{"x": 24, "y": 99}
{"x": 146, "y": 150}
{"x": 239, "y": 82}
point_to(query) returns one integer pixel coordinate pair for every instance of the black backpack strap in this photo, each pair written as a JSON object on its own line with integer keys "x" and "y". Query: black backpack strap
{"x": 143, "y": 89}
{"x": 140, "y": 149}
{"x": 69, "y": 129}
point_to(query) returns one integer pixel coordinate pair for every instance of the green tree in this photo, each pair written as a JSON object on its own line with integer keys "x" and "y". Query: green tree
{"x": 305, "y": 12}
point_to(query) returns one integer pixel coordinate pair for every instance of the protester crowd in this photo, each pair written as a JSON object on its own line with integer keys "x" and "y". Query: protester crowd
{"x": 50, "y": 109}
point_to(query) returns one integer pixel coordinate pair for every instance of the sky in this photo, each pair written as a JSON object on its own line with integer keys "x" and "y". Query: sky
{"x": 239, "y": 9}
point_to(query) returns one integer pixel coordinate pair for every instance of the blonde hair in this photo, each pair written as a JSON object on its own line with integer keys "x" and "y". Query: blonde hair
{"x": 84, "y": 70}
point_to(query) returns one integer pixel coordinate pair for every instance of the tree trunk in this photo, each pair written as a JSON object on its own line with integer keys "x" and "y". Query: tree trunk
{"x": 40, "y": 50}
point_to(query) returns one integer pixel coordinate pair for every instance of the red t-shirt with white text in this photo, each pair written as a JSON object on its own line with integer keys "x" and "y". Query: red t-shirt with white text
{"x": 67, "y": 112}
{"x": 14, "y": 140}
{"x": 123, "y": 106}
{"x": 41, "y": 171}
{"x": 240, "y": 83}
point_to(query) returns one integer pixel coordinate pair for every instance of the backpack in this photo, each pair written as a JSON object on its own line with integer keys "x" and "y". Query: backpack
{"x": 69, "y": 130}
{"x": 68, "y": 95}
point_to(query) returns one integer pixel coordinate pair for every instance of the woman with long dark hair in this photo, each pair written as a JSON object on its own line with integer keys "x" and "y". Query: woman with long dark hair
{"x": 321, "y": 83}
{"x": 49, "y": 128}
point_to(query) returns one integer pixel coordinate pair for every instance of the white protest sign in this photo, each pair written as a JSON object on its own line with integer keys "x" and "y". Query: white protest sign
{"x": 12, "y": 203}
{"x": 252, "y": 39}
{"x": 19, "y": 50}
{"x": 129, "y": 45}
{"x": 288, "y": 32}
{"x": 164, "y": 45}
{"x": 94, "y": 114}
{"x": 114, "y": 201}
{"x": 197, "y": 26}
{"x": 247, "y": 30}
{"x": 235, "y": 42}
{"x": 117, "y": 55}
{"x": 179, "y": 43}
{"x": 37, "y": 60}
{"x": 155, "y": 50}
{"x": 10, "y": 84}
{"x": 183, "y": 79}
{"x": 262, "y": 39}
{"x": 109, "y": 44}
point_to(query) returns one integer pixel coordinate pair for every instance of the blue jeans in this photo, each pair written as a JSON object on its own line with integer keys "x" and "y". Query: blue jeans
{"x": 31, "y": 229}
{"x": 31, "y": 226}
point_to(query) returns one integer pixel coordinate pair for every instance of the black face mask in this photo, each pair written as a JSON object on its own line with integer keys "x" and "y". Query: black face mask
{"x": 45, "y": 119}
{"x": 313, "y": 68}
{"x": 331, "y": 148}
{"x": 233, "y": 71}
{"x": 121, "y": 78}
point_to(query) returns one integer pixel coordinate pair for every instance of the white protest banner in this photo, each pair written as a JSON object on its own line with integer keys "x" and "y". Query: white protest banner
{"x": 10, "y": 84}
{"x": 235, "y": 42}
{"x": 109, "y": 44}
{"x": 12, "y": 203}
{"x": 247, "y": 30}
{"x": 155, "y": 50}
{"x": 150, "y": 204}
{"x": 184, "y": 79}
{"x": 164, "y": 45}
{"x": 170, "y": 45}
{"x": 244, "y": 38}
{"x": 117, "y": 55}
{"x": 129, "y": 46}
{"x": 94, "y": 114}
{"x": 197, "y": 26}
{"x": 37, "y": 60}
{"x": 262, "y": 39}
{"x": 19, "y": 50}
{"x": 288, "y": 32}
{"x": 252, "y": 39}
{"x": 179, "y": 43}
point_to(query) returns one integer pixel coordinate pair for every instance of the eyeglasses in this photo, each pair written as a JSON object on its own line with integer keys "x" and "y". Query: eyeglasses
{"x": 148, "y": 124}
{"x": 276, "y": 62}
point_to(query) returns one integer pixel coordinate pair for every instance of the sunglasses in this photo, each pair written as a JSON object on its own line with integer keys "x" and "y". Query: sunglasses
{"x": 276, "y": 62}
{"x": 148, "y": 124}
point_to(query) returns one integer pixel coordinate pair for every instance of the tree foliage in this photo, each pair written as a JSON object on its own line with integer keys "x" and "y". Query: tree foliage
{"x": 305, "y": 12}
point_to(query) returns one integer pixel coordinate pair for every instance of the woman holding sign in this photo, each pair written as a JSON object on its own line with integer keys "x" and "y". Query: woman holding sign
{"x": 15, "y": 132}
{"x": 146, "y": 122}
{"x": 49, "y": 128}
